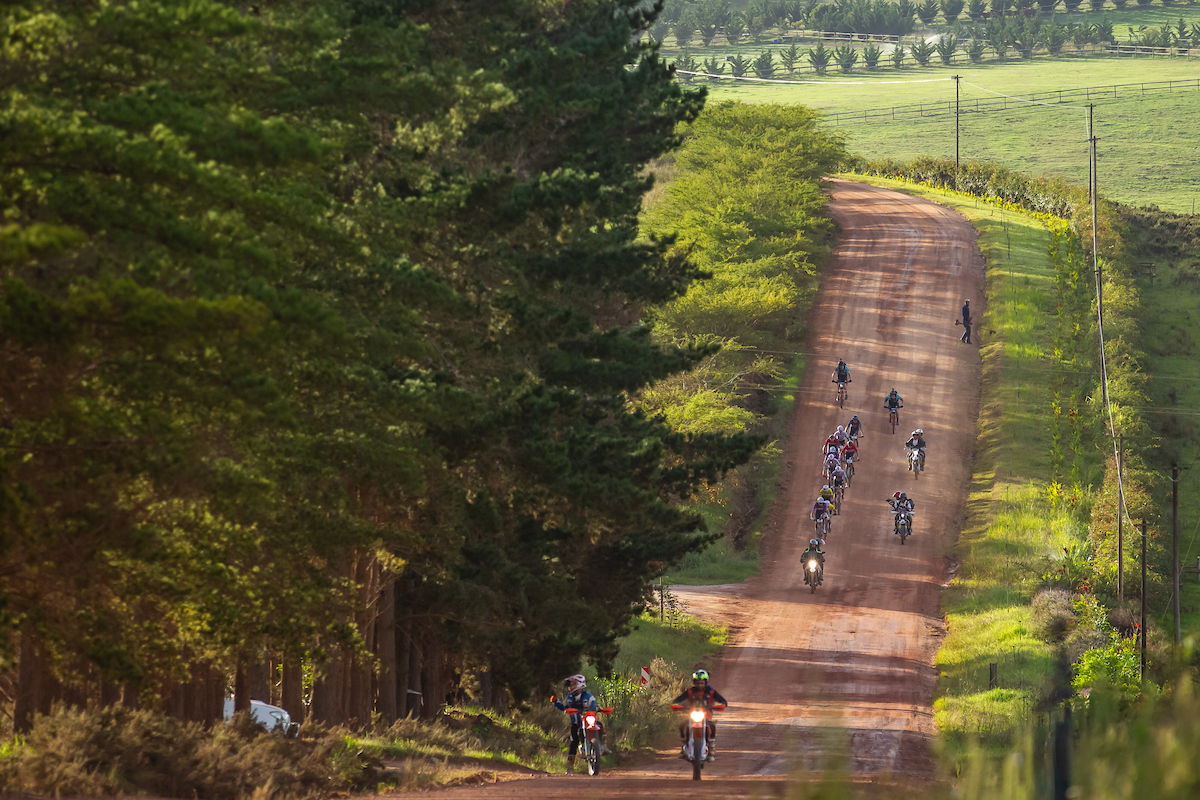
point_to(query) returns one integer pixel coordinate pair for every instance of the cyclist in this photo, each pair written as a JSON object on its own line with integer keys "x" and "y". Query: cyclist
{"x": 893, "y": 400}
{"x": 841, "y": 373}
{"x": 854, "y": 427}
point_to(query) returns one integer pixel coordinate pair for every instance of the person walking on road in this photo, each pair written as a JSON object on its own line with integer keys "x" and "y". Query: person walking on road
{"x": 966, "y": 321}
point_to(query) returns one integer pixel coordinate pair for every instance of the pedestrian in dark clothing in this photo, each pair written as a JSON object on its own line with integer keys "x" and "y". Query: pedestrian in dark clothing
{"x": 966, "y": 315}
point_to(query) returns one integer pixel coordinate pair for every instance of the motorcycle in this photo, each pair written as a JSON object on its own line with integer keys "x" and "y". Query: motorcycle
{"x": 695, "y": 749}
{"x": 589, "y": 742}
{"x": 916, "y": 461}
{"x": 903, "y": 525}
{"x": 812, "y": 574}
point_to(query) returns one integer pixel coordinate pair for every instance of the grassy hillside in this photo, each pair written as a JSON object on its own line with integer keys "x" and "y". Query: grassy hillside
{"x": 1146, "y": 149}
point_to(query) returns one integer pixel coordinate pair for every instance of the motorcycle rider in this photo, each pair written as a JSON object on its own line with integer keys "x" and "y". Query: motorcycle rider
{"x": 854, "y": 427}
{"x": 901, "y": 503}
{"x": 580, "y": 699}
{"x": 703, "y": 694}
{"x": 917, "y": 442}
{"x": 814, "y": 551}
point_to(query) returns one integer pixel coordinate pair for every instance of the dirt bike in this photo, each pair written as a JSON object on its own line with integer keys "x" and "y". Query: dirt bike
{"x": 894, "y": 416}
{"x": 904, "y": 525}
{"x": 841, "y": 394}
{"x": 915, "y": 462}
{"x": 589, "y": 742}
{"x": 812, "y": 574}
{"x": 695, "y": 749}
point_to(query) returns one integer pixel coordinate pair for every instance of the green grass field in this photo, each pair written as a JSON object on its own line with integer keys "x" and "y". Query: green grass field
{"x": 1147, "y": 147}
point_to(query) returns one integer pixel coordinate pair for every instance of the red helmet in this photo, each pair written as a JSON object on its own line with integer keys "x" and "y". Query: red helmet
{"x": 896, "y": 495}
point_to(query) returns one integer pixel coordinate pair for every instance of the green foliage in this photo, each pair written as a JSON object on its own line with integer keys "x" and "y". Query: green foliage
{"x": 871, "y": 55}
{"x": 714, "y": 66}
{"x": 286, "y": 293}
{"x": 897, "y": 55}
{"x": 1053, "y": 36}
{"x": 922, "y": 51}
{"x": 790, "y": 58}
{"x": 764, "y": 64}
{"x": 820, "y": 57}
{"x": 947, "y": 46}
{"x": 865, "y": 16}
{"x": 846, "y": 57}
{"x": 684, "y": 28}
{"x": 951, "y": 10}
{"x": 927, "y": 11}
{"x": 976, "y": 9}
{"x": 975, "y": 50}
{"x": 739, "y": 66}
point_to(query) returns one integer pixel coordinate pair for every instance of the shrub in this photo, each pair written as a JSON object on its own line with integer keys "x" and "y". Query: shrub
{"x": 871, "y": 55}
{"x": 1052, "y": 614}
{"x": 897, "y": 56}
{"x": 714, "y": 66}
{"x": 739, "y": 66}
{"x": 922, "y": 52}
{"x": 114, "y": 750}
{"x": 846, "y": 57}
{"x": 1117, "y": 664}
{"x": 947, "y": 46}
{"x": 819, "y": 57}
{"x": 764, "y": 65}
{"x": 976, "y": 49}
{"x": 951, "y": 9}
{"x": 790, "y": 58}
{"x": 976, "y": 9}
{"x": 927, "y": 11}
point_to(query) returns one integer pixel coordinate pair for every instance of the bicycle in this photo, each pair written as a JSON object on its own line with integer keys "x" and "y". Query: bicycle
{"x": 894, "y": 416}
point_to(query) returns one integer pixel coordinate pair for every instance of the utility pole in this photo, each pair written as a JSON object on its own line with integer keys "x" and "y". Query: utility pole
{"x": 956, "y": 165}
{"x": 1175, "y": 544}
{"x": 1093, "y": 190}
{"x": 1143, "y": 625}
{"x": 1120, "y": 517}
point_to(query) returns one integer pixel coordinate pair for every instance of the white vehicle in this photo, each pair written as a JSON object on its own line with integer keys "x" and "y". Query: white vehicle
{"x": 273, "y": 718}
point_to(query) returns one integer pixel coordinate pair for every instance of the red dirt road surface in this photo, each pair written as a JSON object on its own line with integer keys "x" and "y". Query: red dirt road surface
{"x": 847, "y": 671}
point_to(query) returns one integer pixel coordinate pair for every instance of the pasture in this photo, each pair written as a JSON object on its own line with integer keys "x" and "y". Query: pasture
{"x": 1147, "y": 146}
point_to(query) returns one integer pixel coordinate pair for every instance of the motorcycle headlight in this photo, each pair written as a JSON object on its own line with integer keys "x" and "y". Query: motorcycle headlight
{"x": 590, "y": 719}
{"x": 697, "y": 715}
{"x": 812, "y": 564}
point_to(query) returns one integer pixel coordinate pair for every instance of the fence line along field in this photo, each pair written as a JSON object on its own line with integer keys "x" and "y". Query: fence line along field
{"x": 1146, "y": 150}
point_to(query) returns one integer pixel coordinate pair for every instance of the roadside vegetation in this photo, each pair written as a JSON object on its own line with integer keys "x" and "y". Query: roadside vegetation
{"x": 744, "y": 202}
{"x": 1035, "y": 591}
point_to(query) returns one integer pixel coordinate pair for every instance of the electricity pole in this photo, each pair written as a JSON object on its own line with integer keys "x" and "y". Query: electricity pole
{"x": 1143, "y": 625}
{"x": 1093, "y": 190}
{"x": 1120, "y": 516}
{"x": 956, "y": 166}
{"x": 1175, "y": 544}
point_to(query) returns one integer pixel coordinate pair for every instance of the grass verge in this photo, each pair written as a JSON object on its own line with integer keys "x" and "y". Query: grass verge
{"x": 1016, "y": 524}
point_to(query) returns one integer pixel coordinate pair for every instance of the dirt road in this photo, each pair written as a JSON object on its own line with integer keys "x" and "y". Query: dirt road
{"x": 848, "y": 670}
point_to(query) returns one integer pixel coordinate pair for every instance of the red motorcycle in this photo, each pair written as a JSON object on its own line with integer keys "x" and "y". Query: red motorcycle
{"x": 696, "y": 748}
{"x": 589, "y": 742}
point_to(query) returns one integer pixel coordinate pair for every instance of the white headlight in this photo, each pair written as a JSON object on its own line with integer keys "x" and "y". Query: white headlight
{"x": 812, "y": 564}
{"x": 697, "y": 715}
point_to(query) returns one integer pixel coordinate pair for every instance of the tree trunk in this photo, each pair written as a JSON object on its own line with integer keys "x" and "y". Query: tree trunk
{"x": 431, "y": 680}
{"x": 258, "y": 676}
{"x": 404, "y": 701}
{"x": 416, "y": 699}
{"x": 28, "y": 688}
{"x": 241, "y": 688}
{"x": 387, "y": 653}
{"x": 292, "y": 690}
{"x": 328, "y": 700}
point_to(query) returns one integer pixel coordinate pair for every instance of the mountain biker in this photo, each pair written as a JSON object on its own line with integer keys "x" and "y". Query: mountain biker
{"x": 814, "y": 551}
{"x": 841, "y": 373}
{"x": 854, "y": 427}
{"x": 900, "y": 503}
{"x": 838, "y": 479}
{"x": 893, "y": 400}
{"x": 832, "y": 462}
{"x": 820, "y": 509}
{"x": 703, "y": 694}
{"x": 850, "y": 452}
{"x": 826, "y": 493}
{"x": 580, "y": 699}
{"x": 832, "y": 440}
{"x": 917, "y": 442}
{"x": 841, "y": 435}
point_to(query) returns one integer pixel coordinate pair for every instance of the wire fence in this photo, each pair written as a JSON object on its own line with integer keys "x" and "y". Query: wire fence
{"x": 1091, "y": 94}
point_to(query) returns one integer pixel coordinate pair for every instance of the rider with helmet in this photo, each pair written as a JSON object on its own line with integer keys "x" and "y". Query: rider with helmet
{"x": 821, "y": 508}
{"x": 841, "y": 373}
{"x": 814, "y": 551}
{"x": 901, "y": 503}
{"x": 703, "y": 694}
{"x": 838, "y": 479}
{"x": 832, "y": 440}
{"x": 917, "y": 442}
{"x": 854, "y": 427}
{"x": 893, "y": 400}
{"x": 580, "y": 699}
{"x": 850, "y": 452}
{"x": 841, "y": 435}
{"x": 832, "y": 462}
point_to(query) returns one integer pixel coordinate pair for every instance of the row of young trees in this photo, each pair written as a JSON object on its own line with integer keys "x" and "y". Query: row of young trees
{"x": 1021, "y": 35}
{"x": 319, "y": 333}
{"x": 710, "y": 19}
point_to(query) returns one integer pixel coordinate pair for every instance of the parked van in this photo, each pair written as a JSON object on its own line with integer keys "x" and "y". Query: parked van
{"x": 273, "y": 718}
